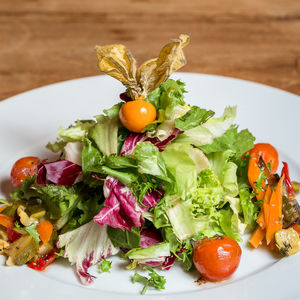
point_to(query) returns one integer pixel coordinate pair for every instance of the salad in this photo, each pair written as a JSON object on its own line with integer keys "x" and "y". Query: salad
{"x": 153, "y": 180}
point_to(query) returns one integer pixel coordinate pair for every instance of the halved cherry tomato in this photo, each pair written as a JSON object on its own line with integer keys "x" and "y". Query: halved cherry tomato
{"x": 217, "y": 258}
{"x": 24, "y": 167}
{"x": 269, "y": 155}
{"x": 136, "y": 115}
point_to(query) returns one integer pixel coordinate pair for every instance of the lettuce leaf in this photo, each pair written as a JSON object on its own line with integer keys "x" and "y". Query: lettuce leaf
{"x": 206, "y": 133}
{"x": 150, "y": 160}
{"x": 250, "y": 210}
{"x": 225, "y": 170}
{"x": 105, "y": 134}
{"x": 194, "y": 117}
{"x": 153, "y": 255}
{"x": 182, "y": 166}
{"x": 169, "y": 93}
{"x": 74, "y": 133}
{"x": 127, "y": 239}
{"x": 238, "y": 142}
{"x": 86, "y": 246}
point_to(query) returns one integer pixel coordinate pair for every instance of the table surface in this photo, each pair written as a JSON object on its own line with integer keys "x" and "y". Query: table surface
{"x": 47, "y": 41}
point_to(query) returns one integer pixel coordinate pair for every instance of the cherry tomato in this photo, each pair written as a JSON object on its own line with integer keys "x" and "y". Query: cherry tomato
{"x": 24, "y": 167}
{"x": 269, "y": 155}
{"x": 137, "y": 114}
{"x": 217, "y": 258}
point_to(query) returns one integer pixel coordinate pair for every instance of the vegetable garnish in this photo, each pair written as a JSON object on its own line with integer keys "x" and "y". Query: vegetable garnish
{"x": 105, "y": 266}
{"x": 153, "y": 179}
{"x": 154, "y": 280}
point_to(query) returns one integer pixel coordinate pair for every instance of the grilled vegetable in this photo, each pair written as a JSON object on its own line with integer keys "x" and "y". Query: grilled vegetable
{"x": 287, "y": 241}
{"x": 22, "y": 250}
{"x": 290, "y": 211}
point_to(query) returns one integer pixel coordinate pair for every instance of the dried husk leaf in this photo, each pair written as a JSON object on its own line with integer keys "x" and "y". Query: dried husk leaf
{"x": 155, "y": 71}
{"x": 117, "y": 61}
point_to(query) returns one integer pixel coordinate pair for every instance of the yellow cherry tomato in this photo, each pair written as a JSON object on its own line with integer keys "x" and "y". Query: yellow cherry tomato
{"x": 137, "y": 114}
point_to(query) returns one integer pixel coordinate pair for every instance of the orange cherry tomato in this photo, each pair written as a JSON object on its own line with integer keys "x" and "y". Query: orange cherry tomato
{"x": 137, "y": 114}
{"x": 269, "y": 155}
{"x": 217, "y": 258}
{"x": 24, "y": 167}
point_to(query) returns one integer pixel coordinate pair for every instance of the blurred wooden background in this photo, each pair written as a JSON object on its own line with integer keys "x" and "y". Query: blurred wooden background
{"x": 46, "y": 41}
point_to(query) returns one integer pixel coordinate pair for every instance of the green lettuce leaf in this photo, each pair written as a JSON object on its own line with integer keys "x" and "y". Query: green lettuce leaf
{"x": 169, "y": 93}
{"x": 205, "y": 134}
{"x": 124, "y": 239}
{"x": 250, "y": 210}
{"x": 152, "y": 252}
{"x": 60, "y": 201}
{"x": 238, "y": 142}
{"x": 150, "y": 160}
{"x": 194, "y": 117}
{"x": 182, "y": 166}
{"x": 225, "y": 170}
{"x": 74, "y": 133}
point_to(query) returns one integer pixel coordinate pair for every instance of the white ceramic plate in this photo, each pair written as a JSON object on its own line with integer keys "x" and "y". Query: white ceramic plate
{"x": 28, "y": 121}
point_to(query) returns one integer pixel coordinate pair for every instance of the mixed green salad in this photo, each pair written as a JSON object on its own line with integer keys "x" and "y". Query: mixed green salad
{"x": 152, "y": 180}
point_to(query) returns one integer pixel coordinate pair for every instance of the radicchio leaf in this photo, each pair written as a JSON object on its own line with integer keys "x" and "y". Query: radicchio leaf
{"x": 130, "y": 143}
{"x": 121, "y": 208}
{"x": 164, "y": 143}
{"x": 151, "y": 237}
{"x": 62, "y": 172}
{"x": 86, "y": 246}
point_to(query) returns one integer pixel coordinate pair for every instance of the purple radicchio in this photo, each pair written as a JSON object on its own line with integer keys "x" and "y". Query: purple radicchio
{"x": 121, "y": 208}
{"x": 164, "y": 143}
{"x": 130, "y": 143}
{"x": 61, "y": 172}
{"x": 152, "y": 237}
{"x": 86, "y": 246}
{"x": 133, "y": 138}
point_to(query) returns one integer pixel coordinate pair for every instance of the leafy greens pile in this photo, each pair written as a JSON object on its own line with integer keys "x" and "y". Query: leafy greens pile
{"x": 149, "y": 195}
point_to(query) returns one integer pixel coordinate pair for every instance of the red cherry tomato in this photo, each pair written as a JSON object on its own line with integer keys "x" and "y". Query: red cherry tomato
{"x": 136, "y": 115}
{"x": 217, "y": 258}
{"x": 24, "y": 167}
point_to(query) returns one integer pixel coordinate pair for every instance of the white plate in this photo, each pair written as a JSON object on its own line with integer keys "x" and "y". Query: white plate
{"x": 28, "y": 121}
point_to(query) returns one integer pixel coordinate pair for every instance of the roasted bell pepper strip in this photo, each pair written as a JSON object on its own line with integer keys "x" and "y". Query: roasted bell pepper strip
{"x": 6, "y": 221}
{"x": 43, "y": 262}
{"x": 12, "y": 235}
{"x": 287, "y": 179}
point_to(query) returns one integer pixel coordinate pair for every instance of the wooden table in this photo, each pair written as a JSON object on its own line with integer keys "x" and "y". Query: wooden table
{"x": 46, "y": 41}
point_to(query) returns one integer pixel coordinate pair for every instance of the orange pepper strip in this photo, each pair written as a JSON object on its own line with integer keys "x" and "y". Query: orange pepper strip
{"x": 6, "y": 221}
{"x": 275, "y": 212}
{"x": 2, "y": 208}
{"x": 257, "y": 236}
{"x": 261, "y": 218}
{"x": 263, "y": 215}
{"x": 45, "y": 229}
{"x": 266, "y": 205}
